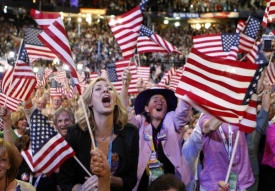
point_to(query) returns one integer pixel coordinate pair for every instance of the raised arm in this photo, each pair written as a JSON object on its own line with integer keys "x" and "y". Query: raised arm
{"x": 6, "y": 116}
{"x": 126, "y": 77}
{"x": 209, "y": 125}
{"x": 182, "y": 114}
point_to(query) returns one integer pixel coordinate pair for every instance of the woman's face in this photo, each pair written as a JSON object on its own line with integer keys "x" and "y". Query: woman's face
{"x": 157, "y": 107}
{"x": 4, "y": 164}
{"x": 103, "y": 98}
{"x": 22, "y": 123}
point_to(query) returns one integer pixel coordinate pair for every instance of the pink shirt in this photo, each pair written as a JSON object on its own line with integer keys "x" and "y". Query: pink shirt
{"x": 269, "y": 151}
{"x": 216, "y": 160}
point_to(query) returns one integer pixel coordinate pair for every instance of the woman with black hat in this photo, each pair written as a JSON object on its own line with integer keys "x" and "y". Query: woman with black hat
{"x": 160, "y": 119}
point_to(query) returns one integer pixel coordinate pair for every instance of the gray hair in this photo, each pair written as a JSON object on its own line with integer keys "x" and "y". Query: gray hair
{"x": 61, "y": 110}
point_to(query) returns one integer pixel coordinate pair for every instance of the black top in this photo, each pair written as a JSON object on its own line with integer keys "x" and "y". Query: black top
{"x": 168, "y": 167}
{"x": 46, "y": 182}
{"x": 126, "y": 150}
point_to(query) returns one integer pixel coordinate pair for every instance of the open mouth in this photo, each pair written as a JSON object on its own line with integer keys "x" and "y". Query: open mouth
{"x": 106, "y": 100}
{"x": 64, "y": 128}
{"x": 159, "y": 109}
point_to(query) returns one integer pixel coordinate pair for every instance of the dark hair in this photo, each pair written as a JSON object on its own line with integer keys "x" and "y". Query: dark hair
{"x": 166, "y": 182}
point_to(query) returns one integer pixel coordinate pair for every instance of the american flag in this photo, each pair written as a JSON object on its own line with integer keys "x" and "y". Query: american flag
{"x": 240, "y": 26}
{"x": 269, "y": 14}
{"x": 233, "y": 53}
{"x": 256, "y": 55}
{"x": 54, "y": 37}
{"x": 175, "y": 79}
{"x": 249, "y": 34}
{"x": 143, "y": 73}
{"x": 19, "y": 81}
{"x": 115, "y": 70}
{"x": 40, "y": 78}
{"x": 47, "y": 72}
{"x": 56, "y": 88}
{"x": 48, "y": 148}
{"x": 10, "y": 103}
{"x": 219, "y": 87}
{"x": 70, "y": 94}
{"x": 60, "y": 76}
{"x": 250, "y": 116}
{"x": 126, "y": 29}
{"x": 35, "y": 47}
{"x": 146, "y": 44}
{"x": 144, "y": 31}
{"x": 44, "y": 20}
{"x": 167, "y": 77}
{"x": 93, "y": 75}
{"x": 217, "y": 45}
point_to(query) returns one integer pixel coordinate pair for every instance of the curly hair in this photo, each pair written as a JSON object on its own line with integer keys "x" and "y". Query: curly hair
{"x": 120, "y": 111}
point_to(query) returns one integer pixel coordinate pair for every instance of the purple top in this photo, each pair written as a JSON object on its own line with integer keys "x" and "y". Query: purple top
{"x": 216, "y": 160}
{"x": 269, "y": 152}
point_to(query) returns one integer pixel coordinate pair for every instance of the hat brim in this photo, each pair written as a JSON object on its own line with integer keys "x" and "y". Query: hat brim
{"x": 143, "y": 97}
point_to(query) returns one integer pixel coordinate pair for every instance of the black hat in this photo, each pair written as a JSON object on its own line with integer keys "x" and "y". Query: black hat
{"x": 143, "y": 97}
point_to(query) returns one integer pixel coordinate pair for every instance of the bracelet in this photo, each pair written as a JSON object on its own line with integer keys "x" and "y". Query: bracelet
{"x": 267, "y": 91}
{"x": 7, "y": 130}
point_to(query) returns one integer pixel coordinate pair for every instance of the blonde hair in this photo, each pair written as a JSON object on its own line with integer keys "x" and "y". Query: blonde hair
{"x": 120, "y": 111}
{"x": 16, "y": 116}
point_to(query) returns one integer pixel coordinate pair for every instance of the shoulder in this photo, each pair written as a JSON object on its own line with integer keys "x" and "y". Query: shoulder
{"x": 129, "y": 127}
{"x": 24, "y": 186}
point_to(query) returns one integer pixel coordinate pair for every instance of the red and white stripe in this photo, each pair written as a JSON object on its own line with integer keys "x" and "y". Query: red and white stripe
{"x": 126, "y": 28}
{"x": 175, "y": 79}
{"x": 19, "y": 81}
{"x": 145, "y": 44}
{"x": 143, "y": 73}
{"x": 50, "y": 156}
{"x": 55, "y": 38}
{"x": 210, "y": 44}
{"x": 167, "y": 77}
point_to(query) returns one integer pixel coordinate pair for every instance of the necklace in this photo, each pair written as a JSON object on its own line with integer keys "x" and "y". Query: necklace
{"x": 104, "y": 137}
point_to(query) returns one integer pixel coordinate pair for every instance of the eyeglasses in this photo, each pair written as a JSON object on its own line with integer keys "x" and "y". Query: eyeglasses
{"x": 4, "y": 160}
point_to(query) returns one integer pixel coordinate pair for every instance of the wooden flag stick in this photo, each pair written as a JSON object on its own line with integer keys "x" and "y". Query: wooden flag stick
{"x": 88, "y": 123}
{"x": 232, "y": 156}
{"x": 78, "y": 161}
{"x": 9, "y": 90}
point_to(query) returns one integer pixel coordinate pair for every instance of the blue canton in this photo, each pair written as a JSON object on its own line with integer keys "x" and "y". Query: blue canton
{"x": 31, "y": 36}
{"x": 261, "y": 59}
{"x": 253, "y": 85}
{"x": 41, "y": 131}
{"x": 23, "y": 55}
{"x": 142, "y": 5}
{"x": 144, "y": 31}
{"x": 111, "y": 71}
{"x": 227, "y": 41}
{"x": 252, "y": 27}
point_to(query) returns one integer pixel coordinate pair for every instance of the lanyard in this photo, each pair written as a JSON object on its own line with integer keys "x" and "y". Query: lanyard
{"x": 228, "y": 147}
{"x": 37, "y": 180}
{"x": 110, "y": 149}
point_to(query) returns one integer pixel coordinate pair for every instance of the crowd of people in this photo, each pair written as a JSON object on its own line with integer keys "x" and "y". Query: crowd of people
{"x": 161, "y": 144}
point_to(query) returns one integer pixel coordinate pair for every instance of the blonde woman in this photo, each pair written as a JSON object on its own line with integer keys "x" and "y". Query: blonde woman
{"x": 114, "y": 137}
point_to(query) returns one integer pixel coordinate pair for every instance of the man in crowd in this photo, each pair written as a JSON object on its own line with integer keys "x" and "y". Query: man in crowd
{"x": 62, "y": 119}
